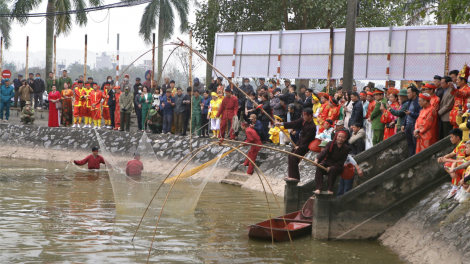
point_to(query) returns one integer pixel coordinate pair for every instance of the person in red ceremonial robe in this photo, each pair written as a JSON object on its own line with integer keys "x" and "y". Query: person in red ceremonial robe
{"x": 435, "y": 102}
{"x": 324, "y": 110}
{"x": 335, "y": 108}
{"x": 251, "y": 137}
{"x": 54, "y": 113}
{"x": 79, "y": 104}
{"x": 96, "y": 96}
{"x": 387, "y": 117}
{"x": 460, "y": 95}
{"x": 135, "y": 167}
{"x": 106, "y": 115}
{"x": 228, "y": 109}
{"x": 370, "y": 108}
{"x": 117, "y": 111}
{"x": 94, "y": 160}
{"x": 424, "y": 127}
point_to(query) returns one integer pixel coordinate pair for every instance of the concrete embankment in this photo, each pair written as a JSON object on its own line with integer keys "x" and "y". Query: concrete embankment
{"x": 65, "y": 144}
{"x": 435, "y": 231}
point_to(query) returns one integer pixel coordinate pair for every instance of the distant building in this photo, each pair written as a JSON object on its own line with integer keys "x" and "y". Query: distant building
{"x": 104, "y": 61}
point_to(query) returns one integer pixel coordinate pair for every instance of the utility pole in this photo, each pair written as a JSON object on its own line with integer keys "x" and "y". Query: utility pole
{"x": 348, "y": 70}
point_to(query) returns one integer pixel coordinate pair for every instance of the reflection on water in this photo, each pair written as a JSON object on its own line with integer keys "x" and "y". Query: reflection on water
{"x": 49, "y": 214}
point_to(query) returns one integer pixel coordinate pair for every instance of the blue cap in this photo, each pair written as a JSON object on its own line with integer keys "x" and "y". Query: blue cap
{"x": 7, "y": 80}
{"x": 196, "y": 80}
{"x": 20, "y": 75}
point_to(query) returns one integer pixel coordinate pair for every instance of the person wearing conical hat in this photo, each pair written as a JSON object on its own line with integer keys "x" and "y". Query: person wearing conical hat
{"x": 424, "y": 132}
{"x": 155, "y": 121}
{"x": 460, "y": 95}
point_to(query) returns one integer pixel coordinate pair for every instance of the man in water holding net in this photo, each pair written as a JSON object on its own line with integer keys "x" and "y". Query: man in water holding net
{"x": 135, "y": 167}
{"x": 94, "y": 160}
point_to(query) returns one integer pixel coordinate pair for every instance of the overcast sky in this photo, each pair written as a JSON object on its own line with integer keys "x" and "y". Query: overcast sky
{"x": 124, "y": 21}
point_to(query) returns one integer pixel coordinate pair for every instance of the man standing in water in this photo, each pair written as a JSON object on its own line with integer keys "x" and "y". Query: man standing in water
{"x": 94, "y": 160}
{"x": 135, "y": 167}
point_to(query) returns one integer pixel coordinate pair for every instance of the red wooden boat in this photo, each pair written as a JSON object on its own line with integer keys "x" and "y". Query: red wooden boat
{"x": 298, "y": 223}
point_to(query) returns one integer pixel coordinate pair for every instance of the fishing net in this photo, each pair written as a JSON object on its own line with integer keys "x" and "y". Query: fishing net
{"x": 133, "y": 194}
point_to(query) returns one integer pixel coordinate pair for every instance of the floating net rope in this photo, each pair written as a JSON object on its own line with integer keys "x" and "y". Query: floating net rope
{"x": 133, "y": 194}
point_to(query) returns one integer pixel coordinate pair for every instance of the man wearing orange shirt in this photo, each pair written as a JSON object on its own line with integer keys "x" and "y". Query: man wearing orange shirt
{"x": 425, "y": 131}
{"x": 96, "y": 97}
{"x": 435, "y": 103}
{"x": 78, "y": 108}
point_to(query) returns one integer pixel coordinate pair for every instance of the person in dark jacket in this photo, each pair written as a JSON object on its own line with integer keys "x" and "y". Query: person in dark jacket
{"x": 307, "y": 135}
{"x": 138, "y": 106}
{"x": 257, "y": 126}
{"x": 206, "y": 102}
{"x": 137, "y": 85}
{"x": 215, "y": 83}
{"x": 332, "y": 157}
{"x": 17, "y": 83}
{"x": 412, "y": 113}
{"x": 39, "y": 87}
{"x": 261, "y": 116}
{"x": 111, "y": 104}
{"x": 247, "y": 89}
{"x": 308, "y": 102}
{"x": 357, "y": 115}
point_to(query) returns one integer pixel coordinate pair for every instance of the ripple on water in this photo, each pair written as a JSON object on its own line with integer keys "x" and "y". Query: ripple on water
{"x": 50, "y": 214}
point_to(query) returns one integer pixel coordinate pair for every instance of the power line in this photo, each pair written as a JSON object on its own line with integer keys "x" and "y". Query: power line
{"x": 85, "y": 10}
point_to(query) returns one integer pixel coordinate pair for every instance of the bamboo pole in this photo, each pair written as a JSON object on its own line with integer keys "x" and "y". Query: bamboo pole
{"x": 86, "y": 47}
{"x": 330, "y": 61}
{"x": 153, "y": 63}
{"x": 446, "y": 69}
{"x": 27, "y": 51}
{"x": 221, "y": 74}
{"x": 117, "y": 62}
{"x": 192, "y": 88}
{"x": 55, "y": 65}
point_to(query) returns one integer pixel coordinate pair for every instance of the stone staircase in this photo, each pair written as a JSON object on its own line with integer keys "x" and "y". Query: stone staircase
{"x": 237, "y": 176}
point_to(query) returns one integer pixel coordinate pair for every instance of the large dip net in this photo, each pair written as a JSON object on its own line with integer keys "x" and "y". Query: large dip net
{"x": 133, "y": 194}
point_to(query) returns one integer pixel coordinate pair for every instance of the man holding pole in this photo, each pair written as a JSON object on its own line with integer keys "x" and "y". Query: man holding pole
{"x": 307, "y": 135}
{"x": 228, "y": 109}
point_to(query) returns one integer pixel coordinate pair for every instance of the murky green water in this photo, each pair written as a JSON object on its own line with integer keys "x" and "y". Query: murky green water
{"x": 56, "y": 217}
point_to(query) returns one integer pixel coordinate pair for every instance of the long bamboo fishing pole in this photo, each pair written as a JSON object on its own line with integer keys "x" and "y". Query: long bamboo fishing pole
{"x": 255, "y": 103}
{"x": 280, "y": 150}
{"x": 27, "y": 56}
{"x": 86, "y": 48}
{"x": 192, "y": 88}
{"x": 269, "y": 185}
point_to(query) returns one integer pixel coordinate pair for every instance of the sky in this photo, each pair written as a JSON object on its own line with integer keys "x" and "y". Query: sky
{"x": 70, "y": 48}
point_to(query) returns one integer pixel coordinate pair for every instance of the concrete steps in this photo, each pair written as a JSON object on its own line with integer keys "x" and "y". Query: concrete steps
{"x": 236, "y": 178}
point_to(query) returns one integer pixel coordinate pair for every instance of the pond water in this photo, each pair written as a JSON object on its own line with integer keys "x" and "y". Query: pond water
{"x": 48, "y": 215}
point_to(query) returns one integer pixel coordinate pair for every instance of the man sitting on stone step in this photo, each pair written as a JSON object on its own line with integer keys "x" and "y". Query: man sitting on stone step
{"x": 27, "y": 115}
{"x": 251, "y": 137}
{"x": 448, "y": 160}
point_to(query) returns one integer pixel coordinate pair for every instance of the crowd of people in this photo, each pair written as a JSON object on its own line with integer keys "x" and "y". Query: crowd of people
{"x": 425, "y": 112}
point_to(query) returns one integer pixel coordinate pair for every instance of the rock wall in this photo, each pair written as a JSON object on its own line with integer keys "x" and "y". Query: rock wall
{"x": 65, "y": 144}
{"x": 435, "y": 231}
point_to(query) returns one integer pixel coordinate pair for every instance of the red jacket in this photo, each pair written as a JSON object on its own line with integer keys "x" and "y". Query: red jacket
{"x": 134, "y": 168}
{"x": 228, "y": 108}
{"x": 93, "y": 163}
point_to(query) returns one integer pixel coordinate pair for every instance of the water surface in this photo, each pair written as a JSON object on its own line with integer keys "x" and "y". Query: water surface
{"x": 49, "y": 215}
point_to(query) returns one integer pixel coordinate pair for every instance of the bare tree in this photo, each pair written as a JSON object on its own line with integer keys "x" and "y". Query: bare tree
{"x": 182, "y": 59}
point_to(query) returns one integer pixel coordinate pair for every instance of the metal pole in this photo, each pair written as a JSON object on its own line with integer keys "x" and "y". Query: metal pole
{"x": 233, "y": 58}
{"x": 153, "y": 62}
{"x": 349, "y": 45}
{"x": 279, "y": 53}
{"x": 117, "y": 62}
{"x": 330, "y": 61}
{"x": 1, "y": 54}
{"x": 53, "y": 80}
{"x": 27, "y": 51}
{"x": 446, "y": 69}
{"x": 86, "y": 46}
{"x": 389, "y": 50}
